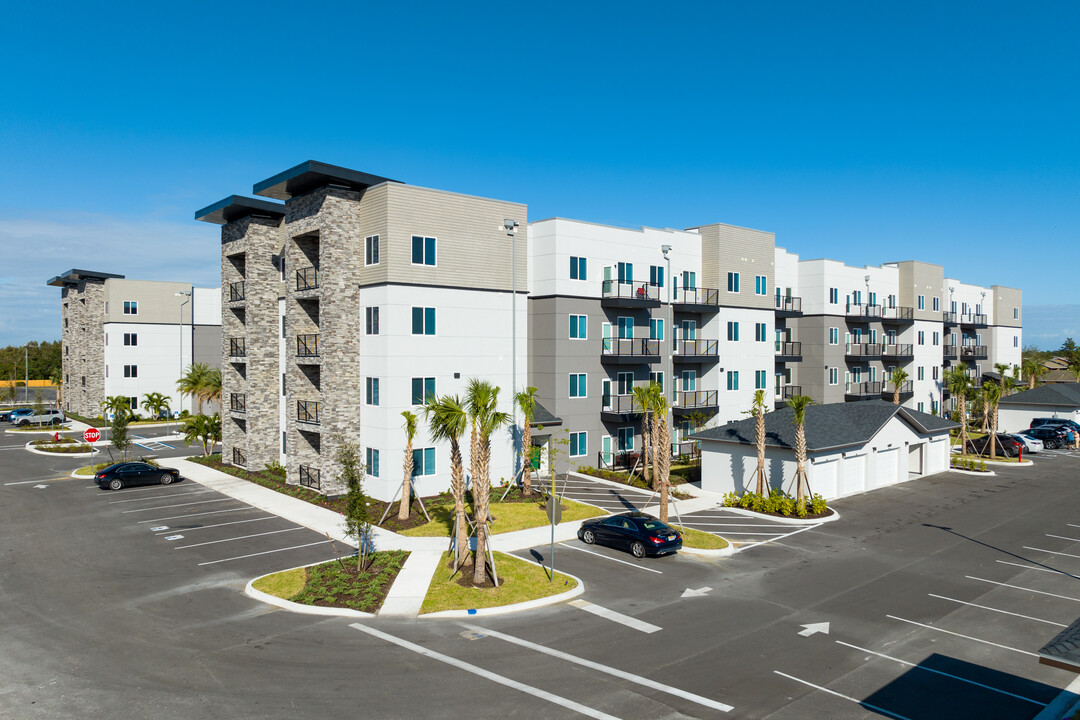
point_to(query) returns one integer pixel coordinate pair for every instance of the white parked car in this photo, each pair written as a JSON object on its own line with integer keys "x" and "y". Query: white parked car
{"x": 1031, "y": 445}
{"x": 50, "y": 416}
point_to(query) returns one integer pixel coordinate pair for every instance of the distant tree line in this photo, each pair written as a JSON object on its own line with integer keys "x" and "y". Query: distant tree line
{"x": 44, "y": 360}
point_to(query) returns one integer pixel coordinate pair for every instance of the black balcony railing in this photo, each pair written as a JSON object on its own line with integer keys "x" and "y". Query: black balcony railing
{"x": 307, "y": 411}
{"x": 863, "y": 310}
{"x": 630, "y": 347}
{"x": 692, "y": 399}
{"x": 974, "y": 351}
{"x": 238, "y": 402}
{"x": 687, "y": 449}
{"x": 785, "y": 348}
{"x": 630, "y": 290}
{"x": 904, "y": 350}
{"x": 863, "y": 389}
{"x": 788, "y": 391}
{"x": 620, "y": 460}
{"x": 236, "y": 291}
{"x": 237, "y": 347}
{"x": 951, "y": 351}
{"x": 906, "y": 388}
{"x": 973, "y": 319}
{"x": 865, "y": 349}
{"x": 789, "y": 304}
{"x": 697, "y": 348}
{"x": 238, "y": 457}
{"x": 620, "y": 404}
{"x": 307, "y": 345}
{"x": 309, "y": 477}
{"x": 694, "y": 296}
{"x": 307, "y": 278}
{"x": 898, "y": 314}
{"x": 949, "y": 318}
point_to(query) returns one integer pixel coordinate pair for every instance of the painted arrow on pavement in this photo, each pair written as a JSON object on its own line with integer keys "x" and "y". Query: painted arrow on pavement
{"x": 696, "y": 593}
{"x": 812, "y": 628}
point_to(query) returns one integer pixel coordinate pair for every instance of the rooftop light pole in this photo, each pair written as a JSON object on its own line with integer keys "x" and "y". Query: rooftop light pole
{"x": 183, "y": 293}
{"x": 666, "y": 249}
{"x": 511, "y": 227}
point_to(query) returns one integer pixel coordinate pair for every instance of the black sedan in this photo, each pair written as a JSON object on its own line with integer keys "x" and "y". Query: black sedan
{"x": 126, "y": 474}
{"x": 637, "y": 532}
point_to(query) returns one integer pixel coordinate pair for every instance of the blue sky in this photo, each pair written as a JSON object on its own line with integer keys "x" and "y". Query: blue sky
{"x": 866, "y": 132}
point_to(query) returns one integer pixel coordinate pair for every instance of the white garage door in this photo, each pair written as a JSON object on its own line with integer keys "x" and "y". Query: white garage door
{"x": 823, "y": 478}
{"x": 852, "y": 475}
{"x": 886, "y": 462}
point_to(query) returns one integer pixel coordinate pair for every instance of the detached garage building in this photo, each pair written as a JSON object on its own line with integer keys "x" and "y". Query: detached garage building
{"x": 851, "y": 447}
{"x": 1057, "y": 400}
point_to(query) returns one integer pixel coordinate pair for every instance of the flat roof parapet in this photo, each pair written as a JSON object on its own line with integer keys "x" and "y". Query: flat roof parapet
{"x": 73, "y": 276}
{"x": 236, "y": 207}
{"x": 312, "y": 175}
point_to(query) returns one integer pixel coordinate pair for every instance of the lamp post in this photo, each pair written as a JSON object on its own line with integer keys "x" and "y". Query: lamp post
{"x": 511, "y": 227}
{"x": 183, "y": 293}
{"x": 670, "y": 319}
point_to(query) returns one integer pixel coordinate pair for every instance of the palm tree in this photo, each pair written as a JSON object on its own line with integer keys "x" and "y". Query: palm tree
{"x": 899, "y": 377}
{"x": 526, "y": 402}
{"x": 1032, "y": 370}
{"x": 798, "y": 404}
{"x": 194, "y": 382}
{"x": 205, "y": 429}
{"x": 991, "y": 395}
{"x": 407, "y": 464}
{"x": 57, "y": 379}
{"x": 958, "y": 383}
{"x": 155, "y": 403}
{"x": 658, "y": 446}
{"x": 643, "y": 399}
{"x": 211, "y": 389}
{"x": 481, "y": 401}
{"x": 117, "y": 405}
{"x": 662, "y": 440}
{"x": 758, "y": 410}
{"x": 1074, "y": 367}
{"x": 447, "y": 420}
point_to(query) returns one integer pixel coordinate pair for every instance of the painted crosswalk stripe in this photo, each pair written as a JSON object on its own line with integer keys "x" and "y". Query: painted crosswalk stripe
{"x": 613, "y": 616}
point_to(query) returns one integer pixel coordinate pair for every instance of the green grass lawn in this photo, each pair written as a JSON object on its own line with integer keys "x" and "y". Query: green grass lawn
{"x": 337, "y": 583}
{"x": 91, "y": 469}
{"x": 509, "y": 516}
{"x": 700, "y": 540}
{"x": 284, "y": 585}
{"x": 520, "y": 581}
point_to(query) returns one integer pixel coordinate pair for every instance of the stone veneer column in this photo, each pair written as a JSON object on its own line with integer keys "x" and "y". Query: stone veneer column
{"x": 84, "y": 346}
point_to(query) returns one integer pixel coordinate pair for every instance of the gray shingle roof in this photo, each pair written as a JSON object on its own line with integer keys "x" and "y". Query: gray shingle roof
{"x": 1064, "y": 394}
{"x": 1065, "y": 648}
{"x": 542, "y": 416}
{"x": 827, "y": 426}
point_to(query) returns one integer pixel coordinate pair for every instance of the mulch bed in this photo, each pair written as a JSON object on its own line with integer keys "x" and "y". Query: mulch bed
{"x": 339, "y": 584}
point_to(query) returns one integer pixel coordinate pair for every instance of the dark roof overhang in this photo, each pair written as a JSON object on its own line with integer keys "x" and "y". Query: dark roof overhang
{"x": 236, "y": 207}
{"x": 312, "y": 175}
{"x": 73, "y": 276}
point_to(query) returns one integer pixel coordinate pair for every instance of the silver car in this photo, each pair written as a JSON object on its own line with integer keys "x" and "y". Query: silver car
{"x": 50, "y": 416}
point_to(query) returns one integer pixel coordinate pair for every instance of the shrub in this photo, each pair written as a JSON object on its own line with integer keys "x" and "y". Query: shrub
{"x": 276, "y": 468}
{"x": 982, "y": 466}
{"x": 818, "y": 504}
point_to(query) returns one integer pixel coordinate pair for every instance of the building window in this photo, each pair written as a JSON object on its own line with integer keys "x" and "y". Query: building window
{"x": 922, "y": 302}
{"x": 626, "y": 272}
{"x": 579, "y": 444}
{"x": 131, "y": 338}
{"x": 423, "y": 321}
{"x": 658, "y": 378}
{"x": 920, "y": 407}
{"x": 372, "y": 391}
{"x": 920, "y": 373}
{"x": 759, "y": 332}
{"x": 282, "y": 383}
{"x": 937, "y": 304}
{"x": 656, "y": 329}
{"x": 423, "y": 250}
{"x": 577, "y": 385}
{"x": 372, "y": 468}
{"x": 733, "y": 282}
{"x": 131, "y": 371}
{"x": 733, "y": 380}
{"x": 937, "y": 338}
{"x": 935, "y": 372}
{"x": 733, "y": 331}
{"x": 1016, "y": 341}
{"x": 371, "y": 250}
{"x": 423, "y": 461}
{"x": 921, "y": 337}
{"x": 834, "y": 336}
{"x": 834, "y": 296}
{"x": 283, "y": 436}
{"x": 131, "y": 307}
{"x": 133, "y": 403}
{"x": 656, "y": 275}
{"x": 579, "y": 327}
{"x": 760, "y": 286}
{"x": 371, "y": 321}
{"x": 834, "y": 376}
{"x": 626, "y": 438}
{"x": 423, "y": 388}
{"x": 578, "y": 268}
{"x": 626, "y": 327}
{"x": 759, "y": 380}
{"x": 1016, "y": 313}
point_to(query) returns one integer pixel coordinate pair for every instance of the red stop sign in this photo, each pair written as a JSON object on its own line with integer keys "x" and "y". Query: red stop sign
{"x": 91, "y": 435}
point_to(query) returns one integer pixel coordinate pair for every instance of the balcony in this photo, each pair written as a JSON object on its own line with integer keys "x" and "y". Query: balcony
{"x": 863, "y": 390}
{"x": 309, "y": 477}
{"x": 619, "y": 408}
{"x": 687, "y": 449}
{"x": 237, "y": 402}
{"x": 307, "y": 348}
{"x": 863, "y": 311}
{"x": 973, "y": 320}
{"x": 788, "y": 306}
{"x": 237, "y": 349}
{"x": 865, "y": 350}
{"x": 630, "y": 350}
{"x": 307, "y": 411}
{"x": 888, "y": 392}
{"x": 629, "y": 294}
{"x": 238, "y": 457}
{"x": 621, "y": 460}
{"x": 788, "y": 351}
{"x": 898, "y": 352}
{"x": 974, "y": 352}
{"x": 696, "y": 351}
{"x": 307, "y": 278}
{"x": 950, "y": 352}
{"x": 695, "y": 299}
{"x": 898, "y": 315}
{"x": 949, "y": 318}
{"x": 695, "y": 401}
{"x": 236, "y": 291}
{"x": 786, "y": 392}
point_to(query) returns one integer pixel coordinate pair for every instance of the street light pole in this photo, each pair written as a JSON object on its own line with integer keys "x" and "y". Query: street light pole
{"x": 183, "y": 293}
{"x": 670, "y": 317}
{"x": 26, "y": 374}
{"x": 511, "y": 229}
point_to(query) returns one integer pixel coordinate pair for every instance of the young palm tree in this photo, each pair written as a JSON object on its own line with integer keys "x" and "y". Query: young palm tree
{"x": 1032, "y": 370}
{"x": 193, "y": 383}
{"x": 482, "y": 401}
{"x": 899, "y": 377}
{"x": 57, "y": 379}
{"x": 660, "y": 442}
{"x": 205, "y": 429}
{"x": 447, "y": 420}
{"x": 526, "y": 402}
{"x": 643, "y": 399}
{"x": 991, "y": 395}
{"x": 211, "y": 387}
{"x": 117, "y": 405}
{"x": 798, "y": 404}
{"x": 407, "y": 464}
{"x": 958, "y": 383}
{"x": 758, "y": 410}
{"x": 155, "y": 403}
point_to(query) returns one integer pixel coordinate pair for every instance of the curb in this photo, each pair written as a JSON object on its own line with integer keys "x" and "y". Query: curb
{"x": 702, "y": 552}
{"x": 786, "y": 520}
{"x": 34, "y": 450}
{"x": 979, "y": 473}
{"x": 37, "y": 432}
{"x": 514, "y": 607}
{"x": 251, "y": 592}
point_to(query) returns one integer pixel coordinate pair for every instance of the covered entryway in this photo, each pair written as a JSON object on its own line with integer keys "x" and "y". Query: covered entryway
{"x": 915, "y": 463}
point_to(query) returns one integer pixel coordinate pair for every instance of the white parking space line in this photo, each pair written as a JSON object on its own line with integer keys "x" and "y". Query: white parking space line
{"x": 160, "y": 496}
{"x": 469, "y": 668}
{"x": 939, "y": 672}
{"x": 601, "y": 555}
{"x": 132, "y": 491}
{"x": 1019, "y": 587}
{"x": 27, "y": 482}
{"x": 1052, "y": 552}
{"x": 866, "y": 705}
{"x": 166, "y": 507}
{"x": 613, "y": 616}
{"x": 781, "y": 537}
{"x": 265, "y": 552}
{"x": 644, "y": 681}
{"x": 1073, "y": 525}
{"x": 241, "y": 537}
{"x": 753, "y": 534}
{"x": 966, "y": 637}
{"x": 1062, "y": 537}
{"x": 234, "y": 522}
{"x": 1040, "y": 569}
{"x": 1006, "y": 612}
{"x": 209, "y": 512}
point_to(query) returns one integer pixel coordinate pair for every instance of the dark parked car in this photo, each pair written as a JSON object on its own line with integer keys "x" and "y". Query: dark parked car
{"x": 126, "y": 474}
{"x": 1052, "y": 437}
{"x": 12, "y": 415}
{"x": 1006, "y": 447}
{"x": 1055, "y": 422}
{"x": 638, "y": 532}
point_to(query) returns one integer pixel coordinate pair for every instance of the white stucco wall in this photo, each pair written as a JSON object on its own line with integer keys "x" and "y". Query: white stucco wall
{"x": 1016, "y": 418}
